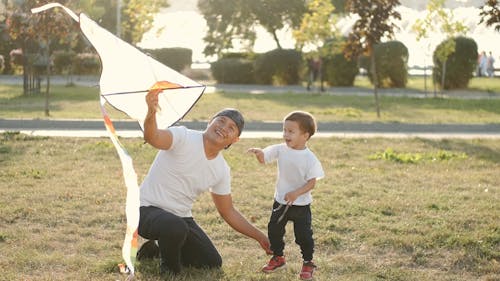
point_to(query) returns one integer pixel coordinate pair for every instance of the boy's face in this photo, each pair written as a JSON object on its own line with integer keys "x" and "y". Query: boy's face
{"x": 293, "y": 136}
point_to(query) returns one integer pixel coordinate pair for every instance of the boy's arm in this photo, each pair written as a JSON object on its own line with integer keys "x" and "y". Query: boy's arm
{"x": 291, "y": 196}
{"x": 258, "y": 153}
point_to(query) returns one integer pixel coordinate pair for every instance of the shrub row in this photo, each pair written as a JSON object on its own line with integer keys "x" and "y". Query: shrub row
{"x": 175, "y": 58}
{"x": 65, "y": 62}
{"x": 287, "y": 67}
{"x": 280, "y": 67}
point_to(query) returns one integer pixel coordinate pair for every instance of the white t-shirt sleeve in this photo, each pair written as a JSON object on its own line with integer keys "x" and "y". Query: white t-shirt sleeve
{"x": 179, "y": 136}
{"x": 271, "y": 153}
{"x": 316, "y": 169}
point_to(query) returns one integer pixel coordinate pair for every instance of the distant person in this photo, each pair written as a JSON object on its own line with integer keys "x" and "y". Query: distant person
{"x": 490, "y": 65}
{"x": 483, "y": 64}
{"x": 188, "y": 163}
{"x": 2, "y": 64}
{"x": 298, "y": 170}
{"x": 478, "y": 66}
{"x": 315, "y": 71}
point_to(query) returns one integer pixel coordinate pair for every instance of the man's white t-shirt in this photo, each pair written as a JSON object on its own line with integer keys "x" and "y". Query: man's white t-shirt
{"x": 295, "y": 168}
{"x": 178, "y": 175}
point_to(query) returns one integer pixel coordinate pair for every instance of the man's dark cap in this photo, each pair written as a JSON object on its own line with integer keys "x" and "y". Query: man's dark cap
{"x": 234, "y": 115}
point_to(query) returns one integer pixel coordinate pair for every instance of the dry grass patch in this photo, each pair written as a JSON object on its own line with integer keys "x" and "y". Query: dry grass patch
{"x": 62, "y": 215}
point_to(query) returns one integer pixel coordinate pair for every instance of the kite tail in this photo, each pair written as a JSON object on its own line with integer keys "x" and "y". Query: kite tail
{"x": 129, "y": 249}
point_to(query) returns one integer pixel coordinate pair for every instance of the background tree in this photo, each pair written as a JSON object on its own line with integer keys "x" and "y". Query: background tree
{"x": 137, "y": 18}
{"x": 136, "y": 15}
{"x": 227, "y": 21}
{"x": 38, "y": 35}
{"x": 339, "y": 6}
{"x": 438, "y": 17}
{"x": 274, "y": 15}
{"x": 231, "y": 21}
{"x": 490, "y": 14}
{"x": 374, "y": 23}
{"x": 6, "y": 45}
{"x": 317, "y": 28}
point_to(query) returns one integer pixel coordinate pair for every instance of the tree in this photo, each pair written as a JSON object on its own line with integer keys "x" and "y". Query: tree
{"x": 38, "y": 35}
{"x": 137, "y": 18}
{"x": 274, "y": 15}
{"x": 236, "y": 20}
{"x": 374, "y": 23}
{"x": 317, "y": 26}
{"x": 6, "y": 45}
{"x": 339, "y": 6}
{"x": 316, "y": 30}
{"x": 438, "y": 16}
{"x": 490, "y": 14}
{"x": 136, "y": 15}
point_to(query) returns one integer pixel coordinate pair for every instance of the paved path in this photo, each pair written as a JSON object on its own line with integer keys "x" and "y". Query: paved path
{"x": 127, "y": 128}
{"x": 93, "y": 81}
{"x": 84, "y": 128}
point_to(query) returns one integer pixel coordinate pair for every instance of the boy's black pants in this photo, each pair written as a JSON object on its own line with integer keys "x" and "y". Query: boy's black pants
{"x": 301, "y": 218}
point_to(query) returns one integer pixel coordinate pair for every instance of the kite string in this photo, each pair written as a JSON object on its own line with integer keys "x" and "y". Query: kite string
{"x": 130, "y": 243}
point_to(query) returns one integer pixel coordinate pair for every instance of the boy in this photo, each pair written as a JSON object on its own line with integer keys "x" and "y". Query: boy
{"x": 298, "y": 170}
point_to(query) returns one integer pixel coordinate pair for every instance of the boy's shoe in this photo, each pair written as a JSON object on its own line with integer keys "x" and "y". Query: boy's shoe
{"x": 275, "y": 263}
{"x": 307, "y": 270}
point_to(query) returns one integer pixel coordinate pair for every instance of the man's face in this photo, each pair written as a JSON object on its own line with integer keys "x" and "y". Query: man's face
{"x": 224, "y": 130}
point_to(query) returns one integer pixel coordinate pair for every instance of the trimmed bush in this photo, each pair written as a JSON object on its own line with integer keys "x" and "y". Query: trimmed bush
{"x": 233, "y": 71}
{"x": 338, "y": 71}
{"x": 63, "y": 62}
{"x": 86, "y": 63}
{"x": 175, "y": 58}
{"x": 278, "y": 67}
{"x": 391, "y": 59}
{"x": 235, "y": 55}
{"x": 460, "y": 65}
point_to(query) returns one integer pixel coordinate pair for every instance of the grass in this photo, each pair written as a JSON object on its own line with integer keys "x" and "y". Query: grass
{"x": 388, "y": 209}
{"x": 82, "y": 102}
{"x": 419, "y": 83}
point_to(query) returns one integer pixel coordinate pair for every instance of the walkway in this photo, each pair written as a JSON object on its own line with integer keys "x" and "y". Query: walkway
{"x": 93, "y": 81}
{"x": 95, "y": 128}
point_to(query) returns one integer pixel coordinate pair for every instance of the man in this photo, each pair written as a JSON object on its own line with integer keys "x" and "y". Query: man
{"x": 189, "y": 162}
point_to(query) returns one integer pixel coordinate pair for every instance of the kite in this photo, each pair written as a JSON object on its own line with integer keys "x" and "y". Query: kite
{"x": 127, "y": 76}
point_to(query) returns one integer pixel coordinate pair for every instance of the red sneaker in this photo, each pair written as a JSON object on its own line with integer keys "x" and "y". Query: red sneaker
{"x": 307, "y": 270}
{"x": 275, "y": 263}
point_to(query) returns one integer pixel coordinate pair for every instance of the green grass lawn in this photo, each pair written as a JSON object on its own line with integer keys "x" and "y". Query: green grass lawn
{"x": 420, "y": 83}
{"x": 388, "y": 209}
{"x": 83, "y": 102}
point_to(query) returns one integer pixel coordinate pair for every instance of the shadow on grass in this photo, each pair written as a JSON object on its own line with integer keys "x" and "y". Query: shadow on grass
{"x": 149, "y": 270}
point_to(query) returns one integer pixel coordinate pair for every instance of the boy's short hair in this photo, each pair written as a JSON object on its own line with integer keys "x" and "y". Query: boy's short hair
{"x": 306, "y": 121}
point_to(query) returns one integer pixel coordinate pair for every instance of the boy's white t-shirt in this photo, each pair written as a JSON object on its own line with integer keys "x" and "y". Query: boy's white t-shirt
{"x": 178, "y": 175}
{"x": 295, "y": 168}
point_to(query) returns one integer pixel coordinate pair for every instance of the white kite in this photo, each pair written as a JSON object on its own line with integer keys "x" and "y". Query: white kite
{"x": 127, "y": 76}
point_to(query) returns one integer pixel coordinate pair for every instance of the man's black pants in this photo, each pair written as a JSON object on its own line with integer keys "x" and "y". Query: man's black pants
{"x": 181, "y": 241}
